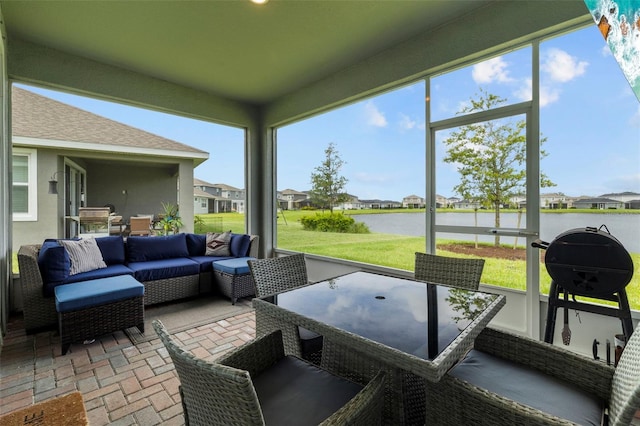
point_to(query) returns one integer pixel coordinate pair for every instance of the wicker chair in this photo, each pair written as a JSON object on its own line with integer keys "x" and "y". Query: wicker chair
{"x": 275, "y": 275}
{"x": 250, "y": 387}
{"x": 456, "y": 401}
{"x": 451, "y": 271}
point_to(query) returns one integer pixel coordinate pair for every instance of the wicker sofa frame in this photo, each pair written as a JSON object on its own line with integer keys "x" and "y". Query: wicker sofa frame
{"x": 40, "y": 311}
{"x": 78, "y": 325}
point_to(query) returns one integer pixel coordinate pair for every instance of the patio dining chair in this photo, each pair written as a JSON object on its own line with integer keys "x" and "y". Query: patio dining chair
{"x": 256, "y": 384}
{"x": 507, "y": 380}
{"x": 451, "y": 271}
{"x": 275, "y": 275}
{"x": 140, "y": 226}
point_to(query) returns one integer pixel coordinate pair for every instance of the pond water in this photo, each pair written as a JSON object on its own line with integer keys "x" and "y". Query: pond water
{"x": 625, "y": 227}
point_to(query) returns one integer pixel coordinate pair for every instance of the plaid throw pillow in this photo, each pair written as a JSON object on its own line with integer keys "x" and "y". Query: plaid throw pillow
{"x": 218, "y": 244}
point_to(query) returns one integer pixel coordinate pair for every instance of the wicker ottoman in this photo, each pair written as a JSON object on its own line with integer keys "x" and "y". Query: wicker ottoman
{"x": 233, "y": 278}
{"x": 89, "y": 309}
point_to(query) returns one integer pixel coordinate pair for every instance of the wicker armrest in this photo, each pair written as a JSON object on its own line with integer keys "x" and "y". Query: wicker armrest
{"x": 257, "y": 355}
{"x": 254, "y": 246}
{"x": 39, "y": 312}
{"x": 363, "y": 409}
{"x": 590, "y": 375}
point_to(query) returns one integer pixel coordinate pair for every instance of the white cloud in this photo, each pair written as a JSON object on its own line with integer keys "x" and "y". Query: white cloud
{"x": 548, "y": 95}
{"x": 494, "y": 69}
{"x": 406, "y": 123}
{"x": 561, "y": 66}
{"x": 524, "y": 92}
{"x": 374, "y": 116}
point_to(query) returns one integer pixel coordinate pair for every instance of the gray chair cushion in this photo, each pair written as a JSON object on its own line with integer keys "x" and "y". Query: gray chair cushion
{"x": 309, "y": 340}
{"x": 294, "y": 392}
{"x": 529, "y": 387}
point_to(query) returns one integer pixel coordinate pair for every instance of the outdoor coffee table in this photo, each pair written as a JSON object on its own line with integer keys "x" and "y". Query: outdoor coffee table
{"x": 370, "y": 322}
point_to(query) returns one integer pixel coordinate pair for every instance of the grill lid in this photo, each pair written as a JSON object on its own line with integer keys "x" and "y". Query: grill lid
{"x": 589, "y": 262}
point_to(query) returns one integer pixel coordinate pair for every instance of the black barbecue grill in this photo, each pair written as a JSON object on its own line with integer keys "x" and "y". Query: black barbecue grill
{"x": 587, "y": 262}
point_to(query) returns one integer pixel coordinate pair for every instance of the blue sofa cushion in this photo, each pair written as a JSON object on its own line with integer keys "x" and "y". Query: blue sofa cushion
{"x": 109, "y": 271}
{"x": 529, "y": 387}
{"x": 196, "y": 244}
{"x": 54, "y": 264}
{"x": 83, "y": 295}
{"x": 140, "y": 249}
{"x": 239, "y": 245}
{"x": 166, "y": 268}
{"x": 235, "y": 266}
{"x": 112, "y": 249}
{"x": 205, "y": 262}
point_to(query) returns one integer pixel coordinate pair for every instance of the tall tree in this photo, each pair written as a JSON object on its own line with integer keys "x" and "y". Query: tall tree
{"x": 490, "y": 157}
{"x": 327, "y": 185}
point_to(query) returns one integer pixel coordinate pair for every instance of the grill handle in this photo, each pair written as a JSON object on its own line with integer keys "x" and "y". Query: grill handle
{"x": 540, "y": 244}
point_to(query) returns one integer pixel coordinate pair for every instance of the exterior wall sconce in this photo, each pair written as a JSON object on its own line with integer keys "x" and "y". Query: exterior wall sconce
{"x": 53, "y": 183}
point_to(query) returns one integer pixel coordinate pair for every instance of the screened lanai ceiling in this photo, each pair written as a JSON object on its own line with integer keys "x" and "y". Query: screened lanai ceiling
{"x": 235, "y": 49}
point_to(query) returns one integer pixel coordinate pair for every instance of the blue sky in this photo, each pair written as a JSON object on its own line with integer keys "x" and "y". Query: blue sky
{"x": 589, "y": 115}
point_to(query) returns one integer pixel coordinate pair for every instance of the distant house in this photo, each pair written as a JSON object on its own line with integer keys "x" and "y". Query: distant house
{"x": 235, "y": 195}
{"x": 91, "y": 161}
{"x": 466, "y": 205}
{"x": 633, "y": 204}
{"x": 290, "y": 199}
{"x": 622, "y": 196}
{"x": 452, "y": 200}
{"x": 380, "y": 204}
{"x": 441, "y": 201}
{"x": 599, "y": 203}
{"x": 518, "y": 201}
{"x": 352, "y": 203}
{"x": 556, "y": 200}
{"x": 202, "y": 201}
{"x": 217, "y": 198}
{"x": 631, "y": 200}
{"x": 413, "y": 202}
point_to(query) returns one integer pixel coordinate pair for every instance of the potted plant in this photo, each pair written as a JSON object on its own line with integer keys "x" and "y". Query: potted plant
{"x": 170, "y": 221}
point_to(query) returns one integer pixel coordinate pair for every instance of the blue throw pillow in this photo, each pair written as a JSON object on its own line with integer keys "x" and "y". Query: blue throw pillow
{"x": 239, "y": 244}
{"x": 141, "y": 249}
{"x": 112, "y": 249}
{"x": 54, "y": 262}
{"x": 196, "y": 244}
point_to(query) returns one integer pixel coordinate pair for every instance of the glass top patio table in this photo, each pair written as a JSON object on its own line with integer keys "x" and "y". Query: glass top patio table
{"x": 419, "y": 327}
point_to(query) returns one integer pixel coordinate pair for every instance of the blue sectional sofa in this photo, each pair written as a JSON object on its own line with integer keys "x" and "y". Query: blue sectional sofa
{"x": 170, "y": 267}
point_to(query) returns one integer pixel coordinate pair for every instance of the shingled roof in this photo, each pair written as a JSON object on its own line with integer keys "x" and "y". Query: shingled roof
{"x": 39, "y": 117}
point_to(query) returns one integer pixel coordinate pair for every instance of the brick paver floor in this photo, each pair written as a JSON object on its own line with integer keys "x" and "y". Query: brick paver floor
{"x": 121, "y": 383}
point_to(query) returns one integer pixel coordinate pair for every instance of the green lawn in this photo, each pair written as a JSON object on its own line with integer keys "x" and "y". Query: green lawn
{"x": 397, "y": 251}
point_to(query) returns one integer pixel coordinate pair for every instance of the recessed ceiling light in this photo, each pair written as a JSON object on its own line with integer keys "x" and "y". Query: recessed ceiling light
{"x": 259, "y": 1}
